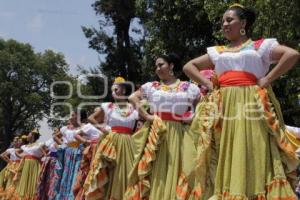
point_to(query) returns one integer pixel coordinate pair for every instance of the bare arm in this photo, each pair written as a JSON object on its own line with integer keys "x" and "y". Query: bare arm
{"x": 97, "y": 118}
{"x": 286, "y": 57}
{"x": 57, "y": 140}
{"x": 44, "y": 149}
{"x": 135, "y": 100}
{"x": 192, "y": 68}
{"x": 81, "y": 139}
{"x": 4, "y": 156}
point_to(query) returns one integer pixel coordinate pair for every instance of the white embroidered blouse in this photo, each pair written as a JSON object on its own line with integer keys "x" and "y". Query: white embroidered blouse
{"x": 255, "y": 57}
{"x": 115, "y": 117}
{"x": 176, "y": 99}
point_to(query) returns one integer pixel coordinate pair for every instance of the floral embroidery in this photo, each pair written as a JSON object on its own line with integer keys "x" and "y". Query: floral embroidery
{"x": 110, "y": 105}
{"x": 257, "y": 43}
{"x": 178, "y": 87}
{"x": 220, "y": 49}
{"x": 183, "y": 86}
{"x": 155, "y": 84}
{"x": 124, "y": 112}
{"x": 165, "y": 88}
{"x": 249, "y": 44}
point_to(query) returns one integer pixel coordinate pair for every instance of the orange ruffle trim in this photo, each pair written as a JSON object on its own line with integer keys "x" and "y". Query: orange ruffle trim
{"x": 98, "y": 175}
{"x": 274, "y": 123}
{"x": 141, "y": 189}
{"x": 183, "y": 191}
{"x": 277, "y": 185}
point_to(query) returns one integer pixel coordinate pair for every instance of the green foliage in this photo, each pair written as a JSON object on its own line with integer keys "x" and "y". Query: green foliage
{"x": 121, "y": 51}
{"x": 25, "y": 79}
{"x": 180, "y": 26}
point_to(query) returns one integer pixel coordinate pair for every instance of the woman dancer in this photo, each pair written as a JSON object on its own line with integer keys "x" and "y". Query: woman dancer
{"x": 88, "y": 135}
{"x": 165, "y": 149}
{"x": 244, "y": 153}
{"x": 8, "y": 173}
{"x": 50, "y": 175}
{"x": 29, "y": 168}
{"x": 114, "y": 157}
{"x": 70, "y": 155}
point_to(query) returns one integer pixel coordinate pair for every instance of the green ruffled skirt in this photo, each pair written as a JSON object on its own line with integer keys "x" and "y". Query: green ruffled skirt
{"x": 243, "y": 148}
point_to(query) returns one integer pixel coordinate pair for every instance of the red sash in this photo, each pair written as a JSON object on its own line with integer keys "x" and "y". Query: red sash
{"x": 237, "y": 78}
{"x": 121, "y": 129}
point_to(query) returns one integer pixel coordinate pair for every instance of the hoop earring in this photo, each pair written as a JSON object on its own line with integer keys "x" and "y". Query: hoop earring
{"x": 171, "y": 73}
{"x": 242, "y": 31}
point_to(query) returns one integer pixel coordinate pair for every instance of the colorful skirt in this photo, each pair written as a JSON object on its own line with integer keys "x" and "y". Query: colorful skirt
{"x": 27, "y": 183}
{"x": 11, "y": 175}
{"x": 85, "y": 166}
{"x": 243, "y": 148}
{"x": 164, "y": 162}
{"x": 3, "y": 180}
{"x": 71, "y": 162}
{"x": 111, "y": 165}
{"x": 49, "y": 179}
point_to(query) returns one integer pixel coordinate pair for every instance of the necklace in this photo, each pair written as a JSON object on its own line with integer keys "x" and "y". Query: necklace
{"x": 237, "y": 48}
{"x": 165, "y": 87}
{"x": 124, "y": 112}
{"x": 31, "y": 144}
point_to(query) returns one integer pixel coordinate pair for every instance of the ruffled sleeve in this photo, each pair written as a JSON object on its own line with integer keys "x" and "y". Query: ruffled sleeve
{"x": 146, "y": 90}
{"x": 39, "y": 144}
{"x": 63, "y": 129}
{"x": 135, "y": 114}
{"x": 213, "y": 54}
{"x": 49, "y": 142}
{"x": 10, "y": 150}
{"x": 193, "y": 92}
{"x": 86, "y": 129}
{"x": 265, "y": 50}
{"x": 23, "y": 147}
{"x": 106, "y": 107}
{"x": 69, "y": 136}
{"x": 89, "y": 130}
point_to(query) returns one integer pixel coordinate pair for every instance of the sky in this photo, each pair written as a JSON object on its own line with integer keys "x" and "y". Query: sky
{"x": 51, "y": 24}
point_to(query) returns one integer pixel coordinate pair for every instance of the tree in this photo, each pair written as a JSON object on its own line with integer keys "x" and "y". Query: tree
{"x": 87, "y": 90}
{"x": 180, "y": 26}
{"x": 121, "y": 51}
{"x": 25, "y": 79}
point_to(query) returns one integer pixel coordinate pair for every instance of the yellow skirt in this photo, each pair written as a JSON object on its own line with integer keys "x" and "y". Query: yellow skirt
{"x": 8, "y": 179}
{"x": 27, "y": 184}
{"x": 2, "y": 180}
{"x": 111, "y": 165}
{"x": 164, "y": 162}
{"x": 243, "y": 148}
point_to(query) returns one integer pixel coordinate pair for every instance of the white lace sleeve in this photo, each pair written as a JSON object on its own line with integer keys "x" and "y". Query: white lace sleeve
{"x": 193, "y": 92}
{"x": 146, "y": 90}
{"x": 213, "y": 54}
{"x": 106, "y": 107}
{"x": 265, "y": 50}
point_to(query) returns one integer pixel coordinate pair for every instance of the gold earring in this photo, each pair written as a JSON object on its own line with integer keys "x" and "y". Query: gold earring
{"x": 242, "y": 31}
{"x": 171, "y": 72}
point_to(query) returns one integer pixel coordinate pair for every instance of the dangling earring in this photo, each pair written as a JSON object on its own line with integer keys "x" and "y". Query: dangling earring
{"x": 171, "y": 73}
{"x": 242, "y": 31}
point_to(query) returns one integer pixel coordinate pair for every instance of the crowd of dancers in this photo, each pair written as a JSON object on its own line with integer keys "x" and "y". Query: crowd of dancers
{"x": 221, "y": 136}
